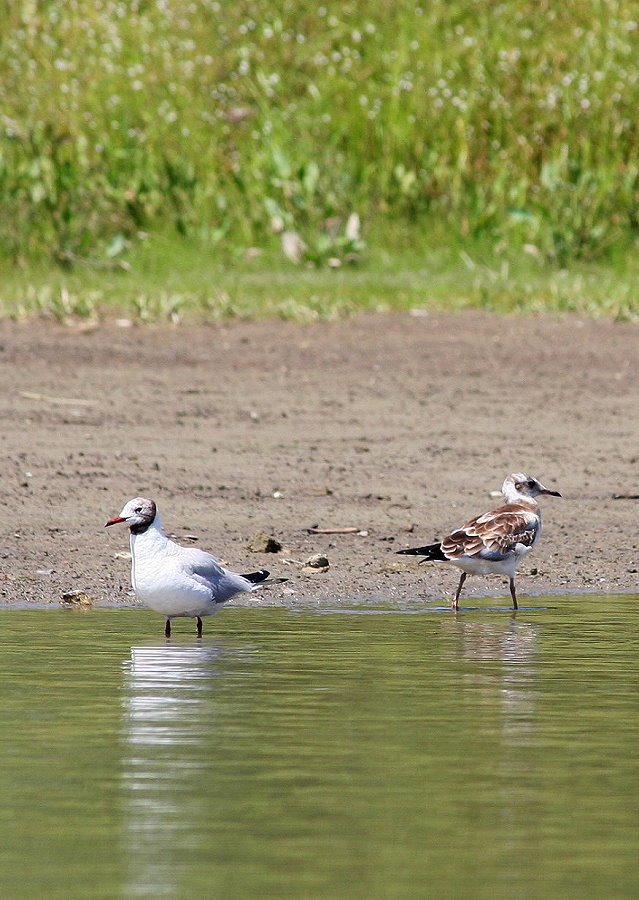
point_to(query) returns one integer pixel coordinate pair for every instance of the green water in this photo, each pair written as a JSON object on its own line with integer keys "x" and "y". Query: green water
{"x": 322, "y": 753}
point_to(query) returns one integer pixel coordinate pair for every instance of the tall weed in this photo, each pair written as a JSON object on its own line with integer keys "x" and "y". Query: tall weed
{"x": 233, "y": 123}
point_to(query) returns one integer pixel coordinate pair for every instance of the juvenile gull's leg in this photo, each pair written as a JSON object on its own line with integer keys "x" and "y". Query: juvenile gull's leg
{"x": 459, "y": 587}
{"x": 512, "y": 593}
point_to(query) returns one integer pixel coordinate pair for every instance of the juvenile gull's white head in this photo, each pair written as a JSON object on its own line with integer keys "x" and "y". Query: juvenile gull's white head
{"x": 520, "y": 487}
{"x": 138, "y": 514}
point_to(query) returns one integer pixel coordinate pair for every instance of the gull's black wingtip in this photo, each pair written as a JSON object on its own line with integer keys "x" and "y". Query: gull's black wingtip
{"x": 256, "y": 577}
{"x": 261, "y": 576}
{"x": 430, "y": 551}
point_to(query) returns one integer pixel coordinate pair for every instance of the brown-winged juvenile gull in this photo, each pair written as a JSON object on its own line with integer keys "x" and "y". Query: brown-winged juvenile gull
{"x": 495, "y": 542}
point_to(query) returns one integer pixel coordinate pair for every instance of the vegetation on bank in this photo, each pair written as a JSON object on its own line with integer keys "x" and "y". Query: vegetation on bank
{"x": 309, "y": 159}
{"x": 171, "y": 280}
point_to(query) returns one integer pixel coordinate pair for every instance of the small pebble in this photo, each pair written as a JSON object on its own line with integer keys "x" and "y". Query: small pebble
{"x": 76, "y": 598}
{"x": 317, "y": 561}
{"x": 261, "y": 542}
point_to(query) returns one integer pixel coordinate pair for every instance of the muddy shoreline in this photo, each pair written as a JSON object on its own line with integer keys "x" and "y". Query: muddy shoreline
{"x": 395, "y": 425}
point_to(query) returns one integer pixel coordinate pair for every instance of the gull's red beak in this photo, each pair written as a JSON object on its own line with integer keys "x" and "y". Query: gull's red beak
{"x": 114, "y": 521}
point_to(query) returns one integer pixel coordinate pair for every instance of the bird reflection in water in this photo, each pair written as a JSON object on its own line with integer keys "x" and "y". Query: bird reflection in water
{"x": 513, "y": 645}
{"x": 170, "y": 709}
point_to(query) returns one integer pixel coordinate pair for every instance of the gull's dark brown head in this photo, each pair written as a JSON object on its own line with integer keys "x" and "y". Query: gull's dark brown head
{"x": 138, "y": 514}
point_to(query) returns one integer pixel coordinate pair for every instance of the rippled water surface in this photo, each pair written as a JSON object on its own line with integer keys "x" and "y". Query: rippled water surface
{"x": 322, "y": 753}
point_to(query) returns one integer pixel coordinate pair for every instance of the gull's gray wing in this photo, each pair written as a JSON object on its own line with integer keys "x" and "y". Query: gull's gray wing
{"x": 205, "y": 568}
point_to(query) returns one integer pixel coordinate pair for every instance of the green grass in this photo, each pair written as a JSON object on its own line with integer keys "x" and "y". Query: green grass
{"x": 505, "y": 129}
{"x": 172, "y": 280}
{"x": 223, "y": 120}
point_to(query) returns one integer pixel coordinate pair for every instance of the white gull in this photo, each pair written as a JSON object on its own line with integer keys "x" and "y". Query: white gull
{"x": 175, "y": 580}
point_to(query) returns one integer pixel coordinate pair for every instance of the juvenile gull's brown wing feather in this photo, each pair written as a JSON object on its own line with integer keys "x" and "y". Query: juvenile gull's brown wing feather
{"x": 494, "y": 534}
